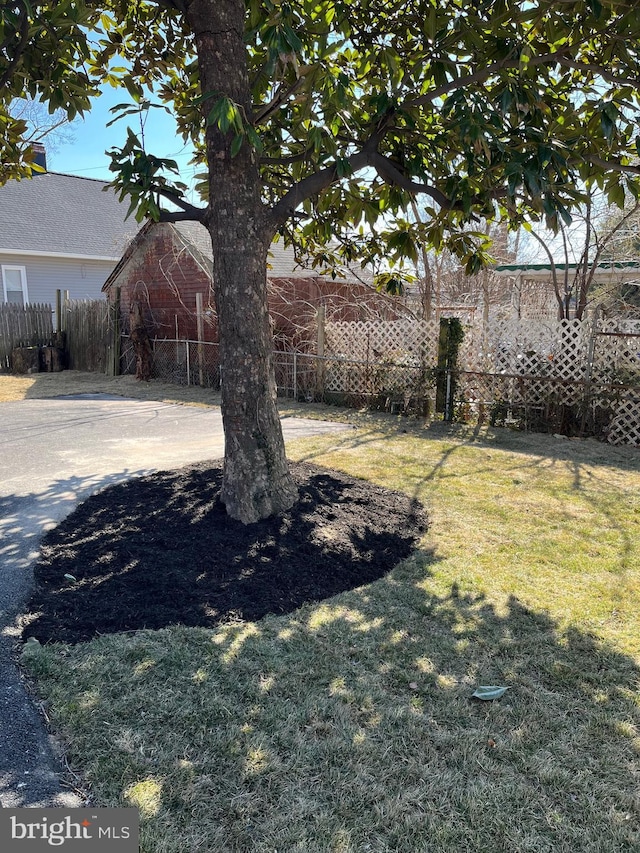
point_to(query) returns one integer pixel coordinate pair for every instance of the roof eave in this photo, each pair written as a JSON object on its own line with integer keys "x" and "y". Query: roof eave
{"x": 30, "y": 253}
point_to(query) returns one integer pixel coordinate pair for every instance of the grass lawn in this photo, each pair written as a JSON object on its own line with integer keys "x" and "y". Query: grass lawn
{"x": 348, "y": 726}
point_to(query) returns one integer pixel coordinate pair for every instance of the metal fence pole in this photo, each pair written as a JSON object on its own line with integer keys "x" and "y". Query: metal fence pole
{"x": 448, "y": 401}
{"x": 200, "y": 328}
{"x": 295, "y": 375}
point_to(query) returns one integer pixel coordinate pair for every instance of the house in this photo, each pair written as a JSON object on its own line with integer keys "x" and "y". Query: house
{"x": 534, "y": 291}
{"x": 167, "y": 264}
{"x": 59, "y": 232}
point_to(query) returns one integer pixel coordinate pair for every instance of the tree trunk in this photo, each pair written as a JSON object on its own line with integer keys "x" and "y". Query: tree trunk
{"x": 256, "y": 479}
{"x": 141, "y": 343}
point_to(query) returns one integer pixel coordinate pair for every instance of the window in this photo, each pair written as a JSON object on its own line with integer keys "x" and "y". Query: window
{"x": 14, "y": 284}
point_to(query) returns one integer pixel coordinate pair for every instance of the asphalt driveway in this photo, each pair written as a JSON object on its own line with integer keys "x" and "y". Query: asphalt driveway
{"x": 53, "y": 454}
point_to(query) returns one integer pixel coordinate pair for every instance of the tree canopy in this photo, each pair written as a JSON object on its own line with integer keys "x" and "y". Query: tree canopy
{"x": 323, "y": 121}
{"x": 485, "y": 108}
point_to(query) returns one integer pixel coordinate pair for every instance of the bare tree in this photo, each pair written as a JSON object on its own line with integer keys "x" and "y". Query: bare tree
{"x": 595, "y": 235}
{"x": 54, "y": 129}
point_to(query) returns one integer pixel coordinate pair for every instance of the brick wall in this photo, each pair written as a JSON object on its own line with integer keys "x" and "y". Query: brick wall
{"x": 164, "y": 277}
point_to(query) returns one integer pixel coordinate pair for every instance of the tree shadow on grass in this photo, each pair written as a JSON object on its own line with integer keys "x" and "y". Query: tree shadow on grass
{"x": 350, "y": 725}
{"x": 418, "y": 763}
{"x": 160, "y": 550}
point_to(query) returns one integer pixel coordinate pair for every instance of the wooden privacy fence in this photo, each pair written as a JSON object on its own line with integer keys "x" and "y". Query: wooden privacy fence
{"x": 89, "y": 332}
{"x": 88, "y": 329}
{"x": 23, "y": 326}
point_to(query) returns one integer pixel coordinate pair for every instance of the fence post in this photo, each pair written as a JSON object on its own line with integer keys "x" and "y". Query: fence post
{"x": 451, "y": 335}
{"x": 320, "y": 364}
{"x": 295, "y": 375}
{"x": 115, "y": 341}
{"x": 448, "y": 402}
{"x": 58, "y": 328}
{"x": 59, "y": 337}
{"x": 200, "y": 327}
{"x": 65, "y": 309}
{"x": 589, "y": 370}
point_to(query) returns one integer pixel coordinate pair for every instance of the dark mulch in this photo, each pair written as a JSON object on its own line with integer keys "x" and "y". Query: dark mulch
{"x": 160, "y": 550}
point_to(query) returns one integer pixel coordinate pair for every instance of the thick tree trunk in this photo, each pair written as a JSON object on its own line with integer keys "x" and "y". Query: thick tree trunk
{"x": 256, "y": 481}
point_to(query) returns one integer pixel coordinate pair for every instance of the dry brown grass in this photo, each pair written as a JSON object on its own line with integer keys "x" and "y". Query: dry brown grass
{"x": 349, "y": 726}
{"x": 45, "y": 385}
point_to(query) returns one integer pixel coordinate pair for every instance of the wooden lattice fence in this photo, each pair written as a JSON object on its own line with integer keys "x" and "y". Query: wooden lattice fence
{"x": 538, "y": 348}
{"x": 368, "y": 340}
{"x": 625, "y": 424}
{"x": 568, "y": 375}
{"x": 374, "y": 357}
{"x": 616, "y": 365}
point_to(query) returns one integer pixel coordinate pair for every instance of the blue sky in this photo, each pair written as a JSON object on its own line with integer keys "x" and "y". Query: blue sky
{"x": 85, "y": 155}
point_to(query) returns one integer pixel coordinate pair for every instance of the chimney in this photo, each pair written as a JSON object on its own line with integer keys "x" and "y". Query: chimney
{"x": 40, "y": 158}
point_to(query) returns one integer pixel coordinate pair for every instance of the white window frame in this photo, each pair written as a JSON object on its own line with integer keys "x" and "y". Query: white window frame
{"x": 23, "y": 279}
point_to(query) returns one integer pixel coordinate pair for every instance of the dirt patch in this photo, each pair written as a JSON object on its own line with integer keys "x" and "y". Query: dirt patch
{"x": 160, "y": 550}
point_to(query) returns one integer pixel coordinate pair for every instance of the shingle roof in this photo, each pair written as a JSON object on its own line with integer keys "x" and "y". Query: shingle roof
{"x": 63, "y": 214}
{"x": 281, "y": 259}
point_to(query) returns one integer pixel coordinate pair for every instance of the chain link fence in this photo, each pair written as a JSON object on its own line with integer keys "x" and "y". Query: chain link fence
{"x": 179, "y": 362}
{"x": 381, "y": 385}
{"x": 521, "y": 401}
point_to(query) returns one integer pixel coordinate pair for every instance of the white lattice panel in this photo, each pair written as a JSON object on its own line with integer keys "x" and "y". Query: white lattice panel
{"x": 616, "y": 356}
{"x": 368, "y": 379}
{"x": 529, "y": 348}
{"x": 529, "y": 363}
{"x": 406, "y": 341}
{"x": 625, "y": 425}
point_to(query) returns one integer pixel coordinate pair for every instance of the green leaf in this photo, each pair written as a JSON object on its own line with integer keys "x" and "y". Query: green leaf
{"x": 133, "y": 88}
{"x": 292, "y": 39}
{"x": 133, "y": 206}
{"x": 487, "y": 693}
{"x": 616, "y": 195}
{"x": 343, "y": 167}
{"x": 236, "y": 144}
{"x": 596, "y": 8}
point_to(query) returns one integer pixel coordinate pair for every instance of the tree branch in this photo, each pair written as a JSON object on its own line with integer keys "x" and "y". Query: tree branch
{"x": 601, "y": 71}
{"x": 175, "y": 5}
{"x": 478, "y": 77}
{"x": 198, "y": 215}
{"x": 267, "y": 110}
{"x": 554, "y": 272}
{"x": 509, "y": 63}
{"x": 312, "y": 185}
{"x": 188, "y": 213}
{"x": 391, "y": 174}
{"x": 628, "y": 168}
{"x": 285, "y": 161}
{"x": 367, "y": 156}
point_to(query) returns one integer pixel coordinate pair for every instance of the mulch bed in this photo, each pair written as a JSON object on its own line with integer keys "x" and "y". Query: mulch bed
{"x": 160, "y": 550}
